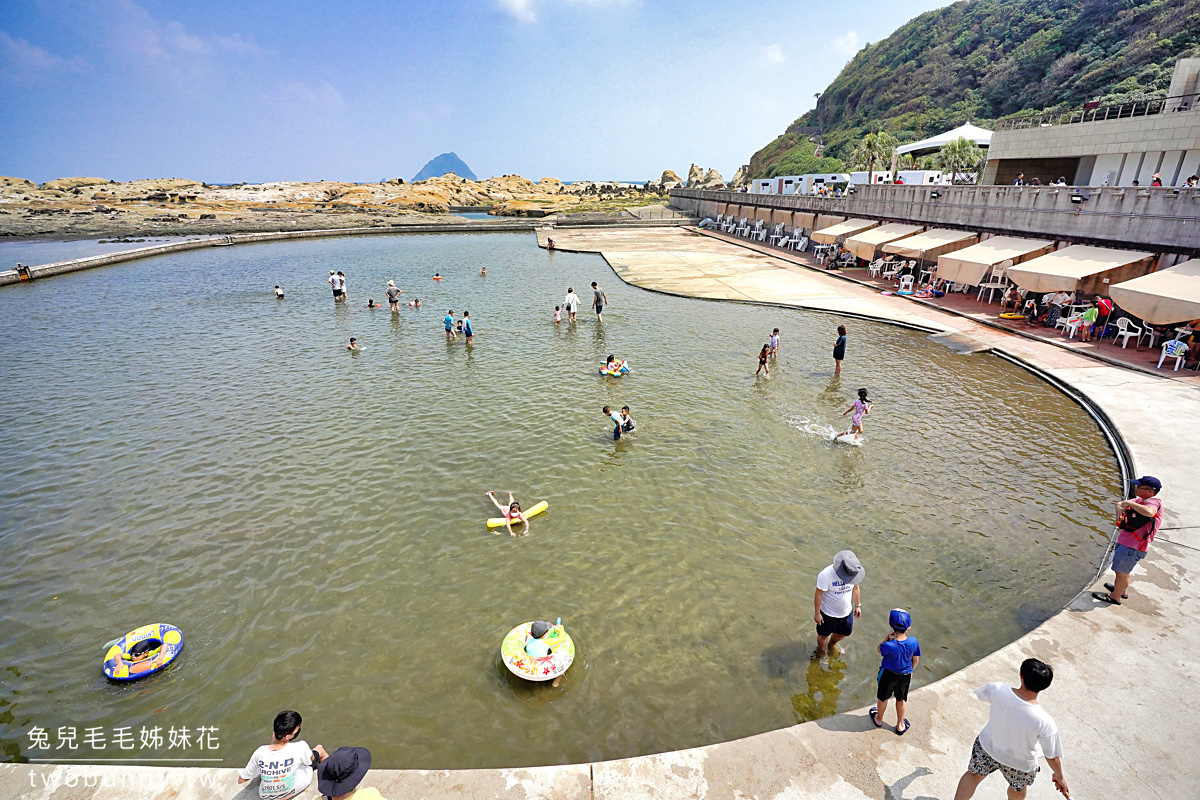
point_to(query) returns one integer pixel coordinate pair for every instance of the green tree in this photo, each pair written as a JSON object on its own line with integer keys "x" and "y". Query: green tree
{"x": 872, "y": 150}
{"x": 960, "y": 155}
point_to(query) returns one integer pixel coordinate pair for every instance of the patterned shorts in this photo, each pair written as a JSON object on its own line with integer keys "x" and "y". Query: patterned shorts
{"x": 983, "y": 764}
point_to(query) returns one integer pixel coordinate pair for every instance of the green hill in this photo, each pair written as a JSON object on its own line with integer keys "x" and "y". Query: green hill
{"x": 980, "y": 60}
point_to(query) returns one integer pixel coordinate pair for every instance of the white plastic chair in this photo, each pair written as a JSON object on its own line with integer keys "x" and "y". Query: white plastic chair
{"x": 996, "y": 281}
{"x": 777, "y": 234}
{"x": 1173, "y": 349}
{"x": 1125, "y": 331}
{"x": 1151, "y": 334}
{"x": 906, "y": 283}
{"x": 1072, "y": 326}
{"x": 891, "y": 269}
{"x": 875, "y": 267}
{"x": 759, "y": 233}
{"x": 719, "y": 221}
{"x": 799, "y": 241}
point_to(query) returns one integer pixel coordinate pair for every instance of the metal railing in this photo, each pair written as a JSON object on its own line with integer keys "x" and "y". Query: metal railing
{"x": 1135, "y": 108}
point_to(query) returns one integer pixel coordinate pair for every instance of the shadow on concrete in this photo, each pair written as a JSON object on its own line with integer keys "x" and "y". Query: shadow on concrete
{"x": 896, "y": 790}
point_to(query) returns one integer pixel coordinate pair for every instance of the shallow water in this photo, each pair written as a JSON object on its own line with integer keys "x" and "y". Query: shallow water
{"x": 34, "y": 252}
{"x": 177, "y": 445}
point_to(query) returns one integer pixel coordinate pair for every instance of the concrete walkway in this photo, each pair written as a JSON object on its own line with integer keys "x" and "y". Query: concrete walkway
{"x": 1122, "y": 695}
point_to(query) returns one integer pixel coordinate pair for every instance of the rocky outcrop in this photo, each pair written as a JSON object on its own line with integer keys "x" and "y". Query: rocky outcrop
{"x": 67, "y": 184}
{"x": 741, "y": 177}
{"x": 695, "y": 175}
{"x": 551, "y": 186}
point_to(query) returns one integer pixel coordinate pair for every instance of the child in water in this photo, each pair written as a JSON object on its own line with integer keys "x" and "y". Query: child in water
{"x": 536, "y": 647}
{"x": 858, "y": 409}
{"x": 557, "y": 314}
{"x": 762, "y": 361}
{"x": 627, "y": 423}
{"x": 353, "y": 344}
{"x": 278, "y": 293}
{"x": 774, "y": 342}
{"x": 617, "y": 421}
{"x": 371, "y": 303}
{"x": 511, "y": 512}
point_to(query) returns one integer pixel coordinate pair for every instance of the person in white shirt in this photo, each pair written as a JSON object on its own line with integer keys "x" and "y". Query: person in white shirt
{"x": 837, "y": 600}
{"x": 286, "y": 764}
{"x": 571, "y": 304}
{"x": 1016, "y": 727}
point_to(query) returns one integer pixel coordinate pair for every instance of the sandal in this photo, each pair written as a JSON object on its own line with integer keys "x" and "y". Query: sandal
{"x": 1112, "y": 588}
{"x": 1105, "y": 598}
{"x": 871, "y": 711}
{"x": 907, "y": 725}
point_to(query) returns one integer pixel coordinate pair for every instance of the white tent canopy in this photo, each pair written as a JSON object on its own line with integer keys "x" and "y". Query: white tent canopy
{"x": 933, "y": 144}
{"x": 1080, "y": 268}
{"x": 1164, "y": 297}
{"x": 866, "y": 243}
{"x": 969, "y": 265}
{"x": 836, "y": 233}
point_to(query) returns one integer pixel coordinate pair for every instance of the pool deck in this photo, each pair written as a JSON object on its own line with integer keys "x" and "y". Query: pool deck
{"x": 1123, "y": 692}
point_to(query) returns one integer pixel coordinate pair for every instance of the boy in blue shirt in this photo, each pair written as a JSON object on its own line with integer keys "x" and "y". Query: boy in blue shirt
{"x": 900, "y": 655}
{"x": 449, "y": 323}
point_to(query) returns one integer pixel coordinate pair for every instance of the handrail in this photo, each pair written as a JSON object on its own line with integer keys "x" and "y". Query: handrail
{"x": 1134, "y": 108}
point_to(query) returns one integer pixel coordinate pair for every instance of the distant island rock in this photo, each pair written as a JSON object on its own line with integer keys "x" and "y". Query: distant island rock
{"x": 444, "y": 164}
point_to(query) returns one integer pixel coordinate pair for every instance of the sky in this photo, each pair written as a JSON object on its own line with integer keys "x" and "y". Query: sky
{"x": 364, "y": 91}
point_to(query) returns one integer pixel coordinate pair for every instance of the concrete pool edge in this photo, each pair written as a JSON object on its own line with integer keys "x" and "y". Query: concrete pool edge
{"x": 841, "y": 756}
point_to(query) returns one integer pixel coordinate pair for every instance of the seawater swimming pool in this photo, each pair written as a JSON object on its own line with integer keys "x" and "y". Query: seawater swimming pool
{"x": 179, "y": 446}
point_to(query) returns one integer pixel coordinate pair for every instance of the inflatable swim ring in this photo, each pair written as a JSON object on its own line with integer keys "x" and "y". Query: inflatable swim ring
{"x": 437, "y": 277}
{"x": 905, "y": 293}
{"x": 143, "y": 652}
{"x": 619, "y": 369}
{"x": 544, "y": 668}
{"x": 937, "y": 293}
{"x": 1011, "y": 315}
{"x": 498, "y": 522}
{"x": 887, "y": 292}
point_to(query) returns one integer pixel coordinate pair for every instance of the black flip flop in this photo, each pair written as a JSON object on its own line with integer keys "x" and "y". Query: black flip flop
{"x": 907, "y": 725}
{"x": 1112, "y": 588}
{"x": 871, "y": 711}
{"x": 1105, "y": 598}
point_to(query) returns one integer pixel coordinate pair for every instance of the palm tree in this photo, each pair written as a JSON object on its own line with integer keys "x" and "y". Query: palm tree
{"x": 960, "y": 154}
{"x": 874, "y": 148}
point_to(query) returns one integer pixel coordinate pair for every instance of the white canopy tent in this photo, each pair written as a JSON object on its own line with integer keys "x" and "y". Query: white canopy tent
{"x": 1080, "y": 268}
{"x": 933, "y": 144}
{"x": 866, "y": 243}
{"x": 1162, "y": 298}
{"x": 836, "y": 233}
{"x": 969, "y": 265}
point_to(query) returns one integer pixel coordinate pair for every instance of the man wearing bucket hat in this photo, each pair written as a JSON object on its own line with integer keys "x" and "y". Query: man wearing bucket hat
{"x": 1138, "y": 520}
{"x": 339, "y": 775}
{"x": 837, "y": 600}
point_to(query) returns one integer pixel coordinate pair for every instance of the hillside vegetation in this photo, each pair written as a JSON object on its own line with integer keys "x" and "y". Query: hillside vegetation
{"x": 980, "y": 60}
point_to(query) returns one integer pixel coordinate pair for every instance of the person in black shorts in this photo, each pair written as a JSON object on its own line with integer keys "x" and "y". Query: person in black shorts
{"x": 837, "y": 600}
{"x": 599, "y": 298}
{"x": 839, "y": 350}
{"x": 900, "y": 656}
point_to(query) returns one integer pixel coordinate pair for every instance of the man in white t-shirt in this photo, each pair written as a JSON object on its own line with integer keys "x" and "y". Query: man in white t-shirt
{"x": 837, "y": 600}
{"x": 1016, "y": 727}
{"x": 286, "y": 764}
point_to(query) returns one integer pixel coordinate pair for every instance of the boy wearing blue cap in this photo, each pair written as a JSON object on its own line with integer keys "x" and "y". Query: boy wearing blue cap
{"x": 900, "y": 656}
{"x": 1138, "y": 519}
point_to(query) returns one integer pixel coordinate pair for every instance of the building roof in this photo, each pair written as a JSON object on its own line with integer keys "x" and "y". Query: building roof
{"x": 925, "y": 147}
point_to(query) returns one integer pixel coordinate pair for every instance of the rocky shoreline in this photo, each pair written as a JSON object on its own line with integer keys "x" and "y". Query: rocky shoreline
{"x": 100, "y": 208}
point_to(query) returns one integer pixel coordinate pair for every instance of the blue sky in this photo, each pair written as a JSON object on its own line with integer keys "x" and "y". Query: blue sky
{"x": 362, "y": 91}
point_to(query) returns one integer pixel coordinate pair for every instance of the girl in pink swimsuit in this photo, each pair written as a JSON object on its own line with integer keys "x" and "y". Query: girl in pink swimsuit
{"x": 859, "y": 409}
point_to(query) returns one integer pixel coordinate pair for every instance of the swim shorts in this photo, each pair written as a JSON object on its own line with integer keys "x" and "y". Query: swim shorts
{"x": 843, "y": 626}
{"x": 983, "y": 764}
{"x": 1126, "y": 558}
{"x": 893, "y": 684}
{"x": 337, "y": 293}
{"x": 599, "y": 307}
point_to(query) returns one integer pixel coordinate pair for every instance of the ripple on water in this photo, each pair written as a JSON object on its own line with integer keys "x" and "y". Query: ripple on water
{"x": 180, "y": 446}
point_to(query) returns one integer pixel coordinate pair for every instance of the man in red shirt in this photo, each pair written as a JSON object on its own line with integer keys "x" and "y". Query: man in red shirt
{"x": 1138, "y": 520}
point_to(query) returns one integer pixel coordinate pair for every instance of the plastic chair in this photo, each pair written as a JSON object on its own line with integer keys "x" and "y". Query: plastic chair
{"x": 1072, "y": 326}
{"x": 800, "y": 243}
{"x": 906, "y": 283}
{"x": 1173, "y": 349}
{"x": 1151, "y": 333}
{"x": 1125, "y": 331}
{"x": 875, "y": 267}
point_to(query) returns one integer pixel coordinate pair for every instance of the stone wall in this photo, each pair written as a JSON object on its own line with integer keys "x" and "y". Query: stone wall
{"x": 1160, "y": 220}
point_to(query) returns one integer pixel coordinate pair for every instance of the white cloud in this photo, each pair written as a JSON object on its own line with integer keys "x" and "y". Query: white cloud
{"x": 773, "y": 55}
{"x": 20, "y": 53}
{"x": 526, "y": 10}
{"x": 168, "y": 43}
{"x": 521, "y": 10}
{"x": 848, "y": 43}
{"x": 322, "y": 96}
